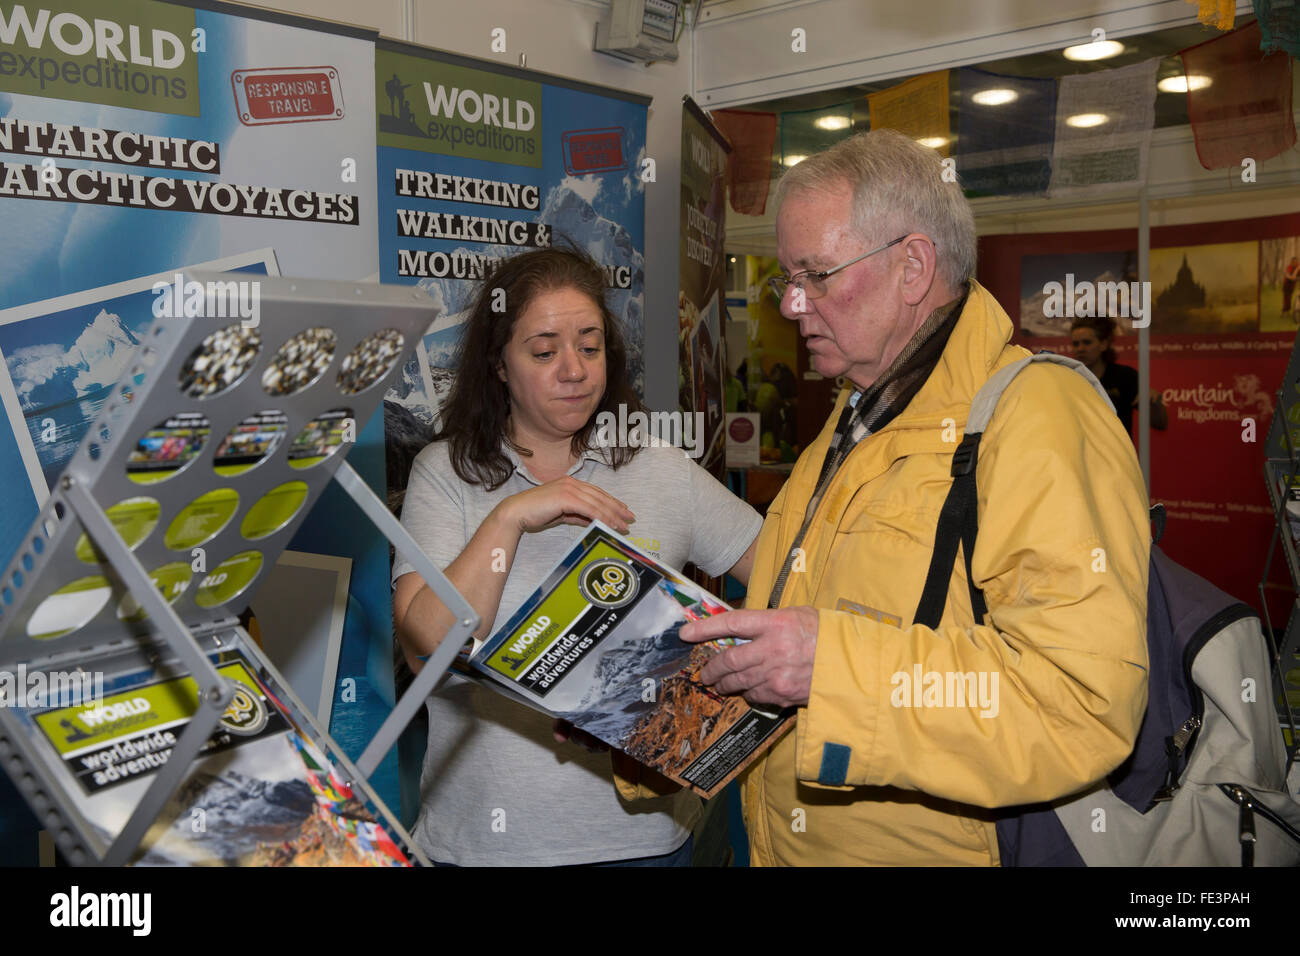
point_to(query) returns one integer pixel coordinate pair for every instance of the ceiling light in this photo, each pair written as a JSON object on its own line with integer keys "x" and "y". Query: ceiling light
{"x": 832, "y": 122}
{"x": 1086, "y": 120}
{"x": 1097, "y": 50}
{"x": 793, "y": 159}
{"x": 995, "y": 97}
{"x": 1181, "y": 83}
{"x": 933, "y": 142}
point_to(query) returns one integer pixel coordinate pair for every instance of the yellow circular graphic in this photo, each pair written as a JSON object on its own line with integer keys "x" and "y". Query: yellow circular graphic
{"x": 370, "y": 361}
{"x": 69, "y": 608}
{"x": 133, "y": 518}
{"x": 229, "y": 579}
{"x": 273, "y": 510}
{"x": 246, "y": 714}
{"x": 201, "y": 519}
{"x": 171, "y": 580}
{"x": 608, "y": 583}
{"x": 220, "y": 362}
{"x": 299, "y": 362}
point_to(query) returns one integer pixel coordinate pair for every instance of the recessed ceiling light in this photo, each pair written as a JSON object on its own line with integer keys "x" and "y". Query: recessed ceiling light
{"x": 1087, "y": 120}
{"x": 933, "y": 142}
{"x": 1181, "y": 83}
{"x": 1096, "y": 50}
{"x": 793, "y": 159}
{"x": 832, "y": 122}
{"x": 995, "y": 97}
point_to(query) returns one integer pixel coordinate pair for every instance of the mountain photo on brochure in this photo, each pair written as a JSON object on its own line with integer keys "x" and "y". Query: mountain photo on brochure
{"x": 260, "y": 793}
{"x": 597, "y": 645}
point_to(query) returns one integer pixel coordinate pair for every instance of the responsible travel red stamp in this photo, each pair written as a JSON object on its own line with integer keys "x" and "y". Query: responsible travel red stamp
{"x": 301, "y": 94}
{"x": 593, "y": 151}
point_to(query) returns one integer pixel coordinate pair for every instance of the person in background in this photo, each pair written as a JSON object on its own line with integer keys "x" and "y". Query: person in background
{"x": 499, "y": 496}
{"x": 1090, "y": 338}
{"x": 1290, "y": 275}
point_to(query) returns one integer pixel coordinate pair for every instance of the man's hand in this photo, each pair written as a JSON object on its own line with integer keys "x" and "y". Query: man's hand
{"x": 775, "y": 667}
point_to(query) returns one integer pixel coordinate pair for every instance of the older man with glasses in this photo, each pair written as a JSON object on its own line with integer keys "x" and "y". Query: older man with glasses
{"x": 910, "y": 736}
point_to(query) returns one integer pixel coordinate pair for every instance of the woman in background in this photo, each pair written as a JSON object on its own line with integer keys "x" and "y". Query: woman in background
{"x": 1090, "y": 337}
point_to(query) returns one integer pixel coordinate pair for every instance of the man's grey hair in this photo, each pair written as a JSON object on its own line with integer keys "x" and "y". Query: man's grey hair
{"x": 898, "y": 188}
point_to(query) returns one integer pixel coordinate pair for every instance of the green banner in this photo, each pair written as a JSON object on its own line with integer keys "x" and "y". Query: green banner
{"x": 132, "y": 53}
{"x": 457, "y": 111}
{"x": 146, "y": 708}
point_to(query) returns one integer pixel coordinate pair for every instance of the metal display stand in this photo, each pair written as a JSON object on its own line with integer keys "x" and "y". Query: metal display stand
{"x": 372, "y": 331}
{"x": 1281, "y": 474}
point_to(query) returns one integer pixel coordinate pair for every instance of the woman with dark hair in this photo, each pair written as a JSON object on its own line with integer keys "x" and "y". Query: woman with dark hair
{"x": 498, "y": 497}
{"x": 1090, "y": 337}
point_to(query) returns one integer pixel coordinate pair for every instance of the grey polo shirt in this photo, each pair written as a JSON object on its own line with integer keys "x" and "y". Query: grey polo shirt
{"x": 496, "y": 788}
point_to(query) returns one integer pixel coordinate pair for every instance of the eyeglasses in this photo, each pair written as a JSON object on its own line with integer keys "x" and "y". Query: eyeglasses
{"x": 813, "y": 282}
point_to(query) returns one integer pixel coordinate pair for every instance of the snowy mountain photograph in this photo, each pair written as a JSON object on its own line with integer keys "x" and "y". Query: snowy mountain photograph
{"x": 60, "y": 365}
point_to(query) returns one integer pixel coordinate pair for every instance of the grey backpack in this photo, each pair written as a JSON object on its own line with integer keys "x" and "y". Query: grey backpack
{"x": 1208, "y": 782}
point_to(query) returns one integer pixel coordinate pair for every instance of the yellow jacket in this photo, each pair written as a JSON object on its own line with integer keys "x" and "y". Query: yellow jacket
{"x": 888, "y": 764}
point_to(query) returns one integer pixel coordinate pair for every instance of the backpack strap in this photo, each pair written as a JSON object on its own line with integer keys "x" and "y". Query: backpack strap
{"x": 959, "y": 519}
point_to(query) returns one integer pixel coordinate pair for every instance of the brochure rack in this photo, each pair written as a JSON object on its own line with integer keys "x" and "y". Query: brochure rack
{"x": 1282, "y": 477}
{"x": 209, "y": 453}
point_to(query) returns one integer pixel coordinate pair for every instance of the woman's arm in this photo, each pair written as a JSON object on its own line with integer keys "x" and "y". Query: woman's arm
{"x": 422, "y": 620}
{"x": 480, "y": 571}
{"x": 740, "y": 570}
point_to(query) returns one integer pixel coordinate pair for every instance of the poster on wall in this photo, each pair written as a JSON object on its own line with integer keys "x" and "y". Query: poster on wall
{"x": 773, "y": 379}
{"x": 701, "y": 309}
{"x": 140, "y": 138}
{"x": 1220, "y": 341}
{"x": 477, "y": 162}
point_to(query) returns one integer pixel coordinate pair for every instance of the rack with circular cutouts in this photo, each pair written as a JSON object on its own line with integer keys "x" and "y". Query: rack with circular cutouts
{"x": 209, "y": 456}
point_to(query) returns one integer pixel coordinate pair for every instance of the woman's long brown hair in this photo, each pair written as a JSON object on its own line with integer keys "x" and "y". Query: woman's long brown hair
{"x": 475, "y": 417}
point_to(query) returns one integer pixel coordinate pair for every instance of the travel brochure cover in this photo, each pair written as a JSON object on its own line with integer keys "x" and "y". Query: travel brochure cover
{"x": 597, "y": 645}
{"x": 259, "y": 794}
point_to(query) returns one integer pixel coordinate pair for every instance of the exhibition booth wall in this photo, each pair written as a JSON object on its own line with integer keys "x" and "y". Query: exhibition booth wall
{"x": 88, "y": 265}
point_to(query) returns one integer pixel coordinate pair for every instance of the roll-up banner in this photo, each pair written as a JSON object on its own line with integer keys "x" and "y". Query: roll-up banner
{"x": 140, "y": 138}
{"x": 480, "y": 161}
{"x": 702, "y": 366}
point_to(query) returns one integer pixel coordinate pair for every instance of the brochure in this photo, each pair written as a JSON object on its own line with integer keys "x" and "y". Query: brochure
{"x": 260, "y": 792}
{"x": 597, "y": 645}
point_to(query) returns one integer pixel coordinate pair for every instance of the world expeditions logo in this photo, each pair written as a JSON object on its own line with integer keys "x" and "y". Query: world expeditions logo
{"x": 132, "y": 53}
{"x": 457, "y": 111}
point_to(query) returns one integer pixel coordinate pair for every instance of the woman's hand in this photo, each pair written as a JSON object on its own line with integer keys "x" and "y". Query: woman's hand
{"x": 565, "y": 500}
{"x": 565, "y": 731}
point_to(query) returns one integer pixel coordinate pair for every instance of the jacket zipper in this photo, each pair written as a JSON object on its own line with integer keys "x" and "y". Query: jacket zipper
{"x": 1175, "y": 746}
{"x": 1249, "y": 807}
